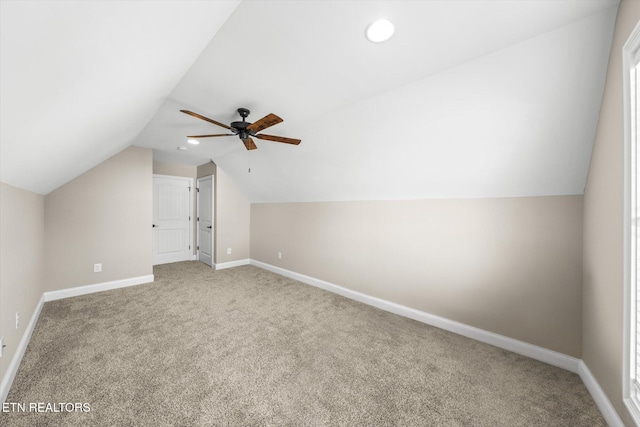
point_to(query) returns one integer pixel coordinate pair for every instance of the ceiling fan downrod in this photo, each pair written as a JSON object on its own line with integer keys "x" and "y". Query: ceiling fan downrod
{"x": 240, "y": 128}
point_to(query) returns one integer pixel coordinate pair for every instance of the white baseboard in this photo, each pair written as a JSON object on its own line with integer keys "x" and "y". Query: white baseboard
{"x": 542, "y": 354}
{"x": 12, "y": 369}
{"x": 99, "y": 287}
{"x": 533, "y": 351}
{"x": 7, "y": 380}
{"x": 231, "y": 264}
{"x": 602, "y": 401}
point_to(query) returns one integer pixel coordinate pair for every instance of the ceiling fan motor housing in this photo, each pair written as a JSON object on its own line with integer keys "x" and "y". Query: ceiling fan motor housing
{"x": 240, "y": 128}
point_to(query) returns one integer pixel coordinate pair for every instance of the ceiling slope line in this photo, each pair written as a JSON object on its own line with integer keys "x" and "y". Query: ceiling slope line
{"x": 347, "y": 105}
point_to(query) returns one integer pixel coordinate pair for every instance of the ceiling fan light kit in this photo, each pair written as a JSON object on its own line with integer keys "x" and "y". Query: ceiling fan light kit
{"x": 245, "y": 130}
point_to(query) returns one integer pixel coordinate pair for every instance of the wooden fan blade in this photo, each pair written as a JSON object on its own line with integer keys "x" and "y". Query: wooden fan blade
{"x": 265, "y": 122}
{"x": 279, "y": 139}
{"x": 249, "y": 144}
{"x": 209, "y": 136}
{"x": 191, "y": 113}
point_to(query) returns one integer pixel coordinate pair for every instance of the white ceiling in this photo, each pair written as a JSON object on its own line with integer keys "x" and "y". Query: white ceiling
{"x": 468, "y": 99}
{"x": 80, "y": 80}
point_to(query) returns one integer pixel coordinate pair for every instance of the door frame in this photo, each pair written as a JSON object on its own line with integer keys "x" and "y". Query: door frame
{"x": 213, "y": 218}
{"x": 630, "y": 75}
{"x": 191, "y": 204}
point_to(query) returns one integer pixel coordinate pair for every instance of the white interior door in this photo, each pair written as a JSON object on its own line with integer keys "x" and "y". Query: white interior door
{"x": 171, "y": 219}
{"x": 205, "y": 220}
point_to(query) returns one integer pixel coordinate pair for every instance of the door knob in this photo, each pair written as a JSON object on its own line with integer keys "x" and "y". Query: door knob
{"x": 154, "y": 226}
{"x": 209, "y": 227}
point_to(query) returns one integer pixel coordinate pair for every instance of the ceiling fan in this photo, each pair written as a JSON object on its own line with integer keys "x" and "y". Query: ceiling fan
{"x": 246, "y": 130}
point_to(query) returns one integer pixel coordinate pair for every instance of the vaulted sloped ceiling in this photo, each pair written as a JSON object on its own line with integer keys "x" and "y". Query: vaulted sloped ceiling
{"x": 468, "y": 99}
{"x": 79, "y": 80}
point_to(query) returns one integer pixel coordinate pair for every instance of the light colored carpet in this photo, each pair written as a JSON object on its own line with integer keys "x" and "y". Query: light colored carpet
{"x": 244, "y": 346}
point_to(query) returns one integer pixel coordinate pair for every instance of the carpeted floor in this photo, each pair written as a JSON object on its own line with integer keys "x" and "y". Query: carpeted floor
{"x": 244, "y": 346}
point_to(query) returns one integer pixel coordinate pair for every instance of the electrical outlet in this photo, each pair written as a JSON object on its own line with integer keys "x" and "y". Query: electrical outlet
{"x": 17, "y": 319}
{"x": 228, "y": 251}
{"x": 97, "y": 268}
{"x": 1, "y": 346}
{"x": 279, "y": 255}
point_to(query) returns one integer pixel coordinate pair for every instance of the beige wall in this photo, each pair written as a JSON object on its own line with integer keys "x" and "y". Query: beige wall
{"x": 103, "y": 216}
{"x": 232, "y": 220}
{"x": 603, "y": 229}
{"x": 21, "y": 262}
{"x": 206, "y": 169}
{"x": 171, "y": 169}
{"x": 232, "y": 210}
{"x": 510, "y": 266}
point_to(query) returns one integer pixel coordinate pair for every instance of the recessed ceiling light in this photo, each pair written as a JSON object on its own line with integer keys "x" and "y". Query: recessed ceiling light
{"x": 380, "y": 31}
{"x": 193, "y": 141}
{"x": 182, "y": 148}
